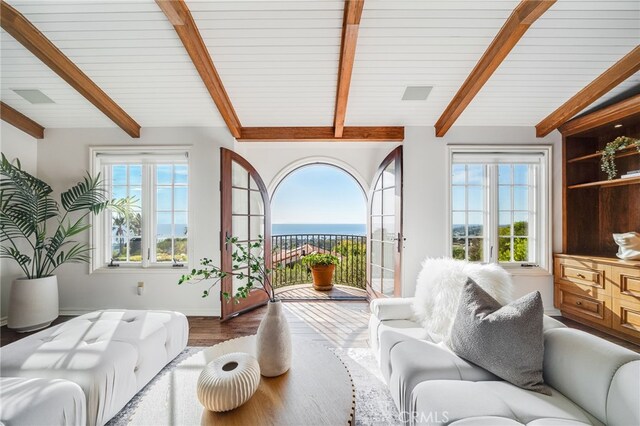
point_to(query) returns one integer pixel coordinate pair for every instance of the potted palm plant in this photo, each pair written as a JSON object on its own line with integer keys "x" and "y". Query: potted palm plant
{"x": 28, "y": 214}
{"x": 322, "y": 266}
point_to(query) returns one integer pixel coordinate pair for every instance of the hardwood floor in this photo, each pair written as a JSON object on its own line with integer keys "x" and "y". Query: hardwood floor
{"x": 331, "y": 323}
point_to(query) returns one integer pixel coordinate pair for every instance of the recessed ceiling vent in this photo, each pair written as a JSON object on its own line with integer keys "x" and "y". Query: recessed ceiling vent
{"x": 34, "y": 96}
{"x": 416, "y": 93}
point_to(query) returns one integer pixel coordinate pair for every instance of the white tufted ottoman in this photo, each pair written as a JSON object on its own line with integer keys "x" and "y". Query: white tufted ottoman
{"x": 111, "y": 354}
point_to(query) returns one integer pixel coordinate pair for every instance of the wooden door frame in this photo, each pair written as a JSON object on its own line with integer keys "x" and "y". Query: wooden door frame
{"x": 257, "y": 298}
{"x": 396, "y": 156}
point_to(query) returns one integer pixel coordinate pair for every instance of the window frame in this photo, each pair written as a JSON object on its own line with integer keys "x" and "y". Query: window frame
{"x": 542, "y": 198}
{"x": 101, "y": 230}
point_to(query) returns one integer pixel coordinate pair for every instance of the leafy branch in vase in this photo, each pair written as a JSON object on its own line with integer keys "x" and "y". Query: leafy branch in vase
{"x": 249, "y": 257}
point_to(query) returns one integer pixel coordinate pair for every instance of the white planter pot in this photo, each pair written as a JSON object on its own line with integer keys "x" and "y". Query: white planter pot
{"x": 273, "y": 342}
{"x": 33, "y": 304}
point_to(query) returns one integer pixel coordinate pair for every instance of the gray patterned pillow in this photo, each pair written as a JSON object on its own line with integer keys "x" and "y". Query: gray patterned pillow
{"x": 505, "y": 340}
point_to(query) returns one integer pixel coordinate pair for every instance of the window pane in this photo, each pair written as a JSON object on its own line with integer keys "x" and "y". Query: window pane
{"x": 504, "y": 249}
{"x": 376, "y": 253}
{"x": 119, "y": 249}
{"x": 240, "y": 227}
{"x": 180, "y": 198}
{"x": 239, "y": 201}
{"x": 504, "y": 174}
{"x": 389, "y": 201}
{"x": 376, "y": 203}
{"x": 388, "y": 253}
{"x": 474, "y": 247}
{"x": 164, "y": 174}
{"x": 119, "y": 192}
{"x": 119, "y": 175}
{"x": 180, "y": 222}
{"x": 376, "y": 278}
{"x": 458, "y": 198}
{"x": 180, "y": 174}
{"x": 257, "y": 227}
{"x": 163, "y": 250}
{"x": 458, "y": 224}
{"x": 376, "y": 228}
{"x": 476, "y": 201}
{"x": 136, "y": 193}
{"x": 389, "y": 175}
{"x": 475, "y": 224}
{"x": 504, "y": 198}
{"x": 163, "y": 198}
{"x": 520, "y": 198}
{"x": 520, "y": 249}
{"x": 520, "y": 224}
{"x": 135, "y": 249}
{"x": 180, "y": 249}
{"x": 504, "y": 224}
{"x": 521, "y": 174}
{"x": 163, "y": 225}
{"x": 135, "y": 174}
{"x": 458, "y": 251}
{"x": 388, "y": 282}
{"x": 475, "y": 174}
{"x": 389, "y": 228}
{"x": 457, "y": 174}
{"x": 239, "y": 176}
{"x": 256, "y": 203}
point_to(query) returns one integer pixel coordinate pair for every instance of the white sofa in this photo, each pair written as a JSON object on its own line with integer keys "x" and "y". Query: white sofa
{"x": 110, "y": 354}
{"x": 593, "y": 381}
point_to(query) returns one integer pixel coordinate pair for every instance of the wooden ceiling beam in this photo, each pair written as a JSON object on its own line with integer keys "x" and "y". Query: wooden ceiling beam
{"x": 180, "y": 17}
{"x": 525, "y": 14}
{"x": 21, "y": 121}
{"x": 610, "y": 114}
{"x": 616, "y": 74}
{"x": 350, "y": 27}
{"x": 321, "y": 134}
{"x": 19, "y": 27}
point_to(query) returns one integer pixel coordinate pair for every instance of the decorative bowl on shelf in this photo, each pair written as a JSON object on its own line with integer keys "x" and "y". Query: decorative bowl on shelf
{"x": 228, "y": 381}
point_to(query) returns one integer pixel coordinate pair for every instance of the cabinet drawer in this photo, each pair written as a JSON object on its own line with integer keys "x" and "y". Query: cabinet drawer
{"x": 627, "y": 284}
{"x": 587, "y": 276}
{"x": 626, "y": 317}
{"x": 582, "y": 305}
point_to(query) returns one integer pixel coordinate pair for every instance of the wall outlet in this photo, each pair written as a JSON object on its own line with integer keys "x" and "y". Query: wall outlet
{"x": 140, "y": 288}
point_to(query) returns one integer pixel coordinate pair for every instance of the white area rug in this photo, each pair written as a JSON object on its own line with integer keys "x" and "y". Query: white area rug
{"x": 374, "y": 405}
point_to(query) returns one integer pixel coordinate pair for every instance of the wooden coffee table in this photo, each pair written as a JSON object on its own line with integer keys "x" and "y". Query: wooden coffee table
{"x": 317, "y": 390}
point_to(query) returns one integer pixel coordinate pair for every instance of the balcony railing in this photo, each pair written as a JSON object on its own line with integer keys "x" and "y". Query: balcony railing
{"x": 288, "y": 251}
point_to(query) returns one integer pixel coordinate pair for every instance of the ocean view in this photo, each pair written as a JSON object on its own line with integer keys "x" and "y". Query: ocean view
{"x": 319, "y": 228}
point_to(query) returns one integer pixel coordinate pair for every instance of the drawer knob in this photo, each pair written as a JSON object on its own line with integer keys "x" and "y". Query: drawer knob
{"x": 581, "y": 276}
{"x": 579, "y": 303}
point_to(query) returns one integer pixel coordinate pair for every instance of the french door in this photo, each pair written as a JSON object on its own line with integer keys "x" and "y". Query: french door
{"x": 245, "y": 214}
{"x": 385, "y": 228}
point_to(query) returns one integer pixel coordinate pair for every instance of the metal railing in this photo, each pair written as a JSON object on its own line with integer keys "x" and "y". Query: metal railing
{"x": 288, "y": 251}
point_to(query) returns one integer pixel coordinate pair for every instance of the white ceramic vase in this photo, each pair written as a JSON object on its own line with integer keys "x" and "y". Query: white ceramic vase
{"x": 273, "y": 343}
{"x": 228, "y": 382}
{"x": 33, "y": 304}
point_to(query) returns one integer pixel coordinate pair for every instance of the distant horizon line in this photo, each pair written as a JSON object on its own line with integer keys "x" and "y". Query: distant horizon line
{"x": 320, "y": 223}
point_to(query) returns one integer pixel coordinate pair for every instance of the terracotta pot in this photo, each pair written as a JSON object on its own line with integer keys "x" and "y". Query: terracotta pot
{"x": 322, "y": 277}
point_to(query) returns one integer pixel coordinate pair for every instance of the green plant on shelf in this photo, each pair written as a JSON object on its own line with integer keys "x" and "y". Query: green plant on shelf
{"x": 608, "y": 161}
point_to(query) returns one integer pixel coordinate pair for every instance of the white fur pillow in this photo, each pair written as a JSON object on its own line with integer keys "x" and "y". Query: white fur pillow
{"x": 440, "y": 285}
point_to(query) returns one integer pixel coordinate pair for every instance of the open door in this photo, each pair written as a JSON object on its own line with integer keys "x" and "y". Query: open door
{"x": 385, "y": 229}
{"x": 245, "y": 214}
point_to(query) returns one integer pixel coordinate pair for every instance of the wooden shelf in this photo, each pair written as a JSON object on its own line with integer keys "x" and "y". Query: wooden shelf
{"x": 625, "y": 152}
{"x": 613, "y": 182}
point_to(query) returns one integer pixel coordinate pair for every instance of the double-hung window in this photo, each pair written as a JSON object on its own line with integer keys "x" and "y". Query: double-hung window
{"x": 500, "y": 205}
{"x": 152, "y": 231}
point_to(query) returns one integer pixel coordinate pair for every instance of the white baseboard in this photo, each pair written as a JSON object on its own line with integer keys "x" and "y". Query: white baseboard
{"x": 3, "y": 321}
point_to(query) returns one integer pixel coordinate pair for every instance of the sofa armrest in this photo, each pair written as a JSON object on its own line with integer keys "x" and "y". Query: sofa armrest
{"x": 392, "y": 308}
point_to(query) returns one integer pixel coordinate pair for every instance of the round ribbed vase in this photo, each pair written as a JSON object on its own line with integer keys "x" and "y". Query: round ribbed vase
{"x": 273, "y": 342}
{"x": 228, "y": 382}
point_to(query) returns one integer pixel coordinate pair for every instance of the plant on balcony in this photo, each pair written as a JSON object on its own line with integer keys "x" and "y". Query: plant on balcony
{"x": 322, "y": 266}
{"x": 259, "y": 276}
{"x": 607, "y": 163}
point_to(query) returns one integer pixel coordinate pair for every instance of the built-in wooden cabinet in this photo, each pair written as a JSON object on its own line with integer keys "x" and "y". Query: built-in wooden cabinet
{"x": 592, "y": 285}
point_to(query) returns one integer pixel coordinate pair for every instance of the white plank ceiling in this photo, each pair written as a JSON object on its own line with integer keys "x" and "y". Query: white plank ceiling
{"x": 279, "y": 59}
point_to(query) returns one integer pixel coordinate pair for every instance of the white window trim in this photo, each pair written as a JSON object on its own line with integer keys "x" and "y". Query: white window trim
{"x": 99, "y": 225}
{"x": 545, "y": 199}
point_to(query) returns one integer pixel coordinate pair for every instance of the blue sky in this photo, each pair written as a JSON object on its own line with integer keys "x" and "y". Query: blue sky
{"x": 319, "y": 194}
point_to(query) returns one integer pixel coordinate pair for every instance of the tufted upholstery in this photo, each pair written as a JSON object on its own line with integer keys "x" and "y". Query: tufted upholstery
{"x": 111, "y": 354}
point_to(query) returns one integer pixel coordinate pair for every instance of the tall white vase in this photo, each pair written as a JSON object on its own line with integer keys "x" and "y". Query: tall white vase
{"x": 273, "y": 343}
{"x": 33, "y": 304}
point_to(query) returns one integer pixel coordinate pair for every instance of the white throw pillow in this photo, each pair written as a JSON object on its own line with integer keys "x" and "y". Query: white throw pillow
{"x": 439, "y": 287}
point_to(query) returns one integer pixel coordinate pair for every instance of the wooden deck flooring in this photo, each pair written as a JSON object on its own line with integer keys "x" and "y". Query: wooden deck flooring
{"x": 307, "y": 292}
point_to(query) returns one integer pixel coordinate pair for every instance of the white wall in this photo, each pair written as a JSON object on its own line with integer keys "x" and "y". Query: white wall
{"x": 64, "y": 157}
{"x": 14, "y": 144}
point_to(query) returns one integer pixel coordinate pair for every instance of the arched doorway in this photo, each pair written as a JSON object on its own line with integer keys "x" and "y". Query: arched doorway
{"x": 319, "y": 207}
